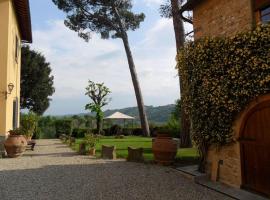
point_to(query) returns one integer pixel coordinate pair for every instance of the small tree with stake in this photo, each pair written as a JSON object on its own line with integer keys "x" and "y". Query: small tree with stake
{"x": 98, "y": 93}
{"x": 109, "y": 18}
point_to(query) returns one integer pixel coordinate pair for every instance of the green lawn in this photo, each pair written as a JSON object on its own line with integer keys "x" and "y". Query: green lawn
{"x": 135, "y": 141}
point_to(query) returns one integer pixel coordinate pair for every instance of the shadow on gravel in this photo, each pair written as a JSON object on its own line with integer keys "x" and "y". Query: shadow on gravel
{"x": 65, "y": 154}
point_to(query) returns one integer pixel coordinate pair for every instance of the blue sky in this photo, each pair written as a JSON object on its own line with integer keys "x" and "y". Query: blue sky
{"x": 74, "y": 61}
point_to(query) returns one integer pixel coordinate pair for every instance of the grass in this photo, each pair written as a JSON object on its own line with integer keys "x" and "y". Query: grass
{"x": 185, "y": 154}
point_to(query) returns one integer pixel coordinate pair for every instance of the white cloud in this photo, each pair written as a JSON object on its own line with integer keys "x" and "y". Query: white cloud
{"x": 151, "y": 2}
{"x": 74, "y": 62}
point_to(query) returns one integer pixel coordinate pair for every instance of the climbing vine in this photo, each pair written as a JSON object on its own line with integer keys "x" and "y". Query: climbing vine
{"x": 221, "y": 76}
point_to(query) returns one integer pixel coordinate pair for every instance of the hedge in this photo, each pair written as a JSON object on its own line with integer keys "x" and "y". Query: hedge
{"x": 63, "y": 127}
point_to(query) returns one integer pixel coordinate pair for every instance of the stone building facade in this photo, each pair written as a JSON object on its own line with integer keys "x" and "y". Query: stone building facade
{"x": 216, "y": 18}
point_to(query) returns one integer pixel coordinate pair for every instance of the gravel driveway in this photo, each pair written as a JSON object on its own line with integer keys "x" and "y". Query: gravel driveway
{"x": 54, "y": 172}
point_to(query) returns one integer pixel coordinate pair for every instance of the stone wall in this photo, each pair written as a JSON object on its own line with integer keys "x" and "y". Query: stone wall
{"x": 224, "y": 164}
{"x": 222, "y": 17}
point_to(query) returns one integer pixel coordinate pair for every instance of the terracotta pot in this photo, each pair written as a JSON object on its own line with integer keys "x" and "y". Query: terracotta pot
{"x": 15, "y": 145}
{"x": 92, "y": 152}
{"x": 164, "y": 149}
{"x": 28, "y": 138}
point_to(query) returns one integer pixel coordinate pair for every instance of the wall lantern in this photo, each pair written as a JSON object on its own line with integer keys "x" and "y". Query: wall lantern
{"x": 10, "y": 89}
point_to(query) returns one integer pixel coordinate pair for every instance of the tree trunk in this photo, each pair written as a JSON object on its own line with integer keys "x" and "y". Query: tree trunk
{"x": 99, "y": 123}
{"x": 179, "y": 31}
{"x": 136, "y": 85}
{"x": 142, "y": 112}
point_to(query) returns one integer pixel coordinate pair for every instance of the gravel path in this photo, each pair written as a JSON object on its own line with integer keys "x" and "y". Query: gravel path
{"x": 55, "y": 172}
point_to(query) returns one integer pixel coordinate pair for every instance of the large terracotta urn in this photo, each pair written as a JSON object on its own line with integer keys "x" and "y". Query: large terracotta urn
{"x": 164, "y": 149}
{"x": 15, "y": 145}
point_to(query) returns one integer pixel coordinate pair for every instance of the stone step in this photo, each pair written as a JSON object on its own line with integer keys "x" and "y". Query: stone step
{"x": 191, "y": 172}
{"x": 234, "y": 193}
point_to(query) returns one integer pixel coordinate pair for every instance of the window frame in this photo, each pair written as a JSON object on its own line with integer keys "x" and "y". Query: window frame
{"x": 266, "y": 14}
{"x": 260, "y": 5}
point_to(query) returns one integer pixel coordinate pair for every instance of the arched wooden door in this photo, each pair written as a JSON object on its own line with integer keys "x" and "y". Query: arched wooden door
{"x": 255, "y": 149}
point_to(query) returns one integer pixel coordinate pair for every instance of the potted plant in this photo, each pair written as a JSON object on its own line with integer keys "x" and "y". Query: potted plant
{"x": 90, "y": 140}
{"x": 28, "y": 125}
{"x": 15, "y": 144}
{"x": 164, "y": 147}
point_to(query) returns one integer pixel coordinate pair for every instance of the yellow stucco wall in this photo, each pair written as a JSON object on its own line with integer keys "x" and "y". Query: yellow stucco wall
{"x": 9, "y": 65}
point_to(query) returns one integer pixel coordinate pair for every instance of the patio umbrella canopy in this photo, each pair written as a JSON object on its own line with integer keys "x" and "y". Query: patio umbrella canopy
{"x": 118, "y": 115}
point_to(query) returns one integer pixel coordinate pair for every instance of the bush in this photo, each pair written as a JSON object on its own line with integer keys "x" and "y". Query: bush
{"x": 137, "y": 132}
{"x": 116, "y": 130}
{"x": 28, "y": 124}
{"x": 91, "y": 140}
{"x": 46, "y": 126}
{"x": 63, "y": 127}
{"x": 79, "y": 132}
{"x": 95, "y": 131}
{"x": 37, "y": 134}
{"x": 106, "y": 131}
{"x": 127, "y": 131}
{"x": 173, "y": 132}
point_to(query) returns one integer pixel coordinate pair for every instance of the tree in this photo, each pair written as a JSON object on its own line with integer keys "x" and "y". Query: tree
{"x": 110, "y": 19}
{"x": 176, "y": 113}
{"x": 98, "y": 93}
{"x": 171, "y": 10}
{"x": 36, "y": 81}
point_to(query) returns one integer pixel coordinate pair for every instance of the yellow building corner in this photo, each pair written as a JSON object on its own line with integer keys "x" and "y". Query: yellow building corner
{"x": 15, "y": 26}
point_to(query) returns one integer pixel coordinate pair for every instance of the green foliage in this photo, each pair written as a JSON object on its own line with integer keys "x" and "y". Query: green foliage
{"x": 91, "y": 140}
{"x": 46, "y": 127}
{"x": 79, "y": 132}
{"x": 221, "y": 76}
{"x": 176, "y": 113}
{"x": 28, "y": 124}
{"x": 63, "y": 126}
{"x": 36, "y": 81}
{"x": 100, "y": 16}
{"x": 98, "y": 94}
{"x": 16, "y": 131}
{"x": 174, "y": 126}
{"x": 116, "y": 130}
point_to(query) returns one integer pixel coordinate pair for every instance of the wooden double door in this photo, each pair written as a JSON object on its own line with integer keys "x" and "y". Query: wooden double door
{"x": 255, "y": 149}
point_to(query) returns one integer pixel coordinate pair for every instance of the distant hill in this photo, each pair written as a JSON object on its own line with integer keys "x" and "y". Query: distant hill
{"x": 159, "y": 114}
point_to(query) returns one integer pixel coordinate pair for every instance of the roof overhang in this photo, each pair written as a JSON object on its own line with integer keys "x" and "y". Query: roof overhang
{"x": 22, "y": 10}
{"x": 190, "y": 5}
